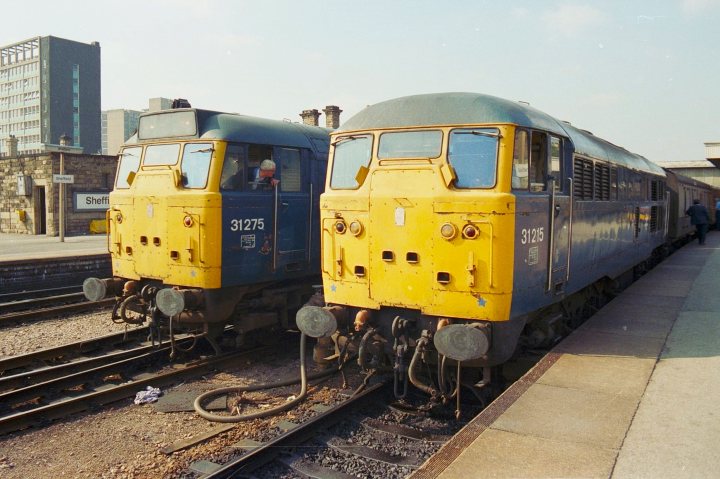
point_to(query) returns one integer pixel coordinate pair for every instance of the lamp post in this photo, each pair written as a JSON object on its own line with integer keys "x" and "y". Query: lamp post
{"x": 64, "y": 141}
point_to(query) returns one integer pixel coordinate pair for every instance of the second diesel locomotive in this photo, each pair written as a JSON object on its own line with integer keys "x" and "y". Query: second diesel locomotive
{"x": 213, "y": 214}
{"x": 457, "y": 226}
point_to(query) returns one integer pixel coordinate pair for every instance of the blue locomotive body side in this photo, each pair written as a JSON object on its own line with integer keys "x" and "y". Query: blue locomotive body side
{"x": 270, "y": 225}
{"x": 610, "y": 214}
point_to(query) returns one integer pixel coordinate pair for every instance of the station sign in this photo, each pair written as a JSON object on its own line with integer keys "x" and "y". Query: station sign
{"x": 90, "y": 201}
{"x": 63, "y": 178}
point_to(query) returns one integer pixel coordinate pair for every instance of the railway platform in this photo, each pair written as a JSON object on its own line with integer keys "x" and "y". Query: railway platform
{"x": 28, "y": 247}
{"x": 633, "y": 393}
{"x": 37, "y": 262}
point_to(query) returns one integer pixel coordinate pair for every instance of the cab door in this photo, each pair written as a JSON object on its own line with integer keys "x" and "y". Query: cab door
{"x": 560, "y": 218}
{"x": 292, "y": 209}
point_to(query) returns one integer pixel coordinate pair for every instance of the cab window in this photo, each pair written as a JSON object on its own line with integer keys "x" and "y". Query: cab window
{"x": 410, "y": 144}
{"x": 233, "y": 173}
{"x": 351, "y": 153}
{"x": 196, "y": 164}
{"x": 129, "y": 162}
{"x": 555, "y": 162}
{"x": 290, "y": 169}
{"x": 260, "y": 167}
{"x": 521, "y": 161}
{"x": 538, "y": 161}
{"x": 161, "y": 154}
{"x": 473, "y": 155}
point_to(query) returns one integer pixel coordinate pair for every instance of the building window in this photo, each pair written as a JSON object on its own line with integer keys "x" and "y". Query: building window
{"x": 76, "y": 104}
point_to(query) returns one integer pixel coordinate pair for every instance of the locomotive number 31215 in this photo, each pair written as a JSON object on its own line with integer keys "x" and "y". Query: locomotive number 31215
{"x": 532, "y": 235}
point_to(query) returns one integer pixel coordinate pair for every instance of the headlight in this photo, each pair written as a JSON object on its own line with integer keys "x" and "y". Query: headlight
{"x": 448, "y": 231}
{"x": 356, "y": 228}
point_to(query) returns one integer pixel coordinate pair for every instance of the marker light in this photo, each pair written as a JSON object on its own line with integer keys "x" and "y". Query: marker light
{"x": 470, "y": 232}
{"x": 188, "y": 221}
{"x": 119, "y": 218}
{"x": 340, "y": 227}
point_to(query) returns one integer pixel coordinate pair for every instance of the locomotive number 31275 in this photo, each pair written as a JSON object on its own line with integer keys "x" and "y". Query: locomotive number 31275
{"x": 247, "y": 224}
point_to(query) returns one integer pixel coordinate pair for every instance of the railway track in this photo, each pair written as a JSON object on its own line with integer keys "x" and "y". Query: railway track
{"x": 48, "y": 385}
{"x": 43, "y": 307}
{"x": 364, "y": 436}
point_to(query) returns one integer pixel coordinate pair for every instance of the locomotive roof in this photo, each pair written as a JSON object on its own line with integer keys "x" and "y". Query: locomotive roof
{"x": 476, "y": 108}
{"x": 249, "y": 129}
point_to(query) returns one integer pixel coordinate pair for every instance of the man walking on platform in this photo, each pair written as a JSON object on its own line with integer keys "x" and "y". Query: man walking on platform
{"x": 700, "y": 218}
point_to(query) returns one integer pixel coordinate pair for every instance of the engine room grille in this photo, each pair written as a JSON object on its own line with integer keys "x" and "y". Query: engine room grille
{"x": 602, "y": 182}
{"x": 583, "y": 179}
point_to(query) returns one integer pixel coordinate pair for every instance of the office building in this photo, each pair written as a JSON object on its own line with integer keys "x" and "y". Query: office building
{"x": 119, "y": 125}
{"x": 50, "y": 86}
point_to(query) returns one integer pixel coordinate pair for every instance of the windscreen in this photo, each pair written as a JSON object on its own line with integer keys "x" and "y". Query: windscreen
{"x": 129, "y": 162}
{"x": 351, "y": 153}
{"x": 196, "y": 164}
{"x": 410, "y": 144}
{"x": 473, "y": 155}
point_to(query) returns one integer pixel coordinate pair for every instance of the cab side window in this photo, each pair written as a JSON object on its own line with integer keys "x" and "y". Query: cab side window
{"x": 257, "y": 154}
{"x": 233, "y": 172}
{"x": 290, "y": 169}
{"x": 538, "y": 161}
{"x": 556, "y": 162}
{"x": 521, "y": 161}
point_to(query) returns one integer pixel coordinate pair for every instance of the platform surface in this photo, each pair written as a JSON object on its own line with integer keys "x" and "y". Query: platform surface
{"x": 633, "y": 393}
{"x": 14, "y": 247}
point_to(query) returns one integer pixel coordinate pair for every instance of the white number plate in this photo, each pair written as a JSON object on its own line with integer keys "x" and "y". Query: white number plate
{"x": 532, "y": 235}
{"x": 247, "y": 224}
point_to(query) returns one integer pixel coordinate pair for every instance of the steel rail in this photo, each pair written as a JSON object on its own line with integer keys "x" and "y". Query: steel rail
{"x": 294, "y": 437}
{"x": 107, "y": 393}
{"x": 51, "y": 312}
{"x": 14, "y": 364}
{"x": 37, "y": 293}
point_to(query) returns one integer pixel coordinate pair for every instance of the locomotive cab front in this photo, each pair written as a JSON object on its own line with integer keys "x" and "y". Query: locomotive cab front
{"x": 208, "y": 211}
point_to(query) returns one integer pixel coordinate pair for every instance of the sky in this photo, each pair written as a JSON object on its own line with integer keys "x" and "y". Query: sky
{"x": 643, "y": 74}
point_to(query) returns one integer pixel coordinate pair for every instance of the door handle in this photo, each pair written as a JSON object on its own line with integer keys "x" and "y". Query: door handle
{"x": 557, "y": 210}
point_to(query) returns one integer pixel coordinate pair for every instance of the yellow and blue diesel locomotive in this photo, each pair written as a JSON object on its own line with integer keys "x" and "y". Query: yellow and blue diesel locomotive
{"x": 214, "y": 214}
{"x": 456, "y": 226}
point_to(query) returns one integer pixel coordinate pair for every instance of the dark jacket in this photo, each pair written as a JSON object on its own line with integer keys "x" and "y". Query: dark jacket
{"x": 698, "y": 215}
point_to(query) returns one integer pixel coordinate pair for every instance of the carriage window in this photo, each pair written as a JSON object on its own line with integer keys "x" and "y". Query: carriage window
{"x": 161, "y": 154}
{"x": 521, "y": 159}
{"x": 410, "y": 144}
{"x": 196, "y": 164}
{"x": 129, "y": 162}
{"x": 233, "y": 173}
{"x": 351, "y": 154}
{"x": 538, "y": 162}
{"x": 473, "y": 155}
{"x": 290, "y": 170}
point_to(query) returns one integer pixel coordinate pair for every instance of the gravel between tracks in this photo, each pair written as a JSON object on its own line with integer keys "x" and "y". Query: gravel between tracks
{"x": 123, "y": 440}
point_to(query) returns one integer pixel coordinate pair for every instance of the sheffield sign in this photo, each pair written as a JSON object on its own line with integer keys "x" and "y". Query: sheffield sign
{"x": 89, "y": 201}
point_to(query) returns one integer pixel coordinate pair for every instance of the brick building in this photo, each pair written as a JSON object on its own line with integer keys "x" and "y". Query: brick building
{"x": 29, "y": 200}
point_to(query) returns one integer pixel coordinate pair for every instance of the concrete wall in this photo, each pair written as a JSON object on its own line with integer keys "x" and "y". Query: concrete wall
{"x": 91, "y": 173}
